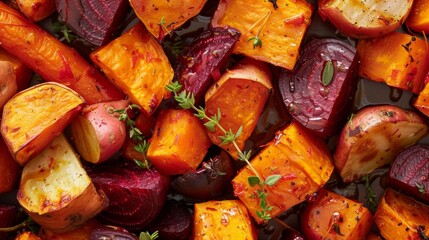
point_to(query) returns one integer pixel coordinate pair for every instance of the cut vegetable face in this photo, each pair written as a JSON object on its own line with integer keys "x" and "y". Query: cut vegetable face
{"x": 55, "y": 190}
{"x": 373, "y": 137}
{"x": 36, "y": 10}
{"x": 363, "y": 19}
{"x": 418, "y": 19}
{"x": 319, "y": 92}
{"x": 35, "y": 116}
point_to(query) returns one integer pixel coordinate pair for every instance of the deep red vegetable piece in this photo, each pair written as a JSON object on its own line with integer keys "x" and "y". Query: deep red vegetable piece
{"x": 7, "y": 218}
{"x": 112, "y": 233}
{"x": 174, "y": 222}
{"x": 136, "y": 196}
{"x": 410, "y": 172}
{"x": 207, "y": 54}
{"x": 313, "y": 96}
{"x": 207, "y": 182}
{"x": 95, "y": 21}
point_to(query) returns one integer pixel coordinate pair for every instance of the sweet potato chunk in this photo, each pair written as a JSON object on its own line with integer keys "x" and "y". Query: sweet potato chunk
{"x": 36, "y": 10}
{"x": 240, "y": 95}
{"x": 9, "y": 169}
{"x": 22, "y": 72}
{"x": 35, "y": 116}
{"x": 82, "y": 233}
{"x": 51, "y": 59}
{"x": 162, "y": 17}
{"x": 281, "y": 29}
{"x": 227, "y": 219}
{"x": 179, "y": 142}
{"x": 8, "y": 86}
{"x": 27, "y": 236}
{"x": 138, "y": 65}
{"x": 398, "y": 59}
{"x": 56, "y": 191}
{"x": 302, "y": 160}
{"x": 418, "y": 19}
{"x": 332, "y": 216}
{"x": 401, "y": 217}
{"x": 422, "y": 101}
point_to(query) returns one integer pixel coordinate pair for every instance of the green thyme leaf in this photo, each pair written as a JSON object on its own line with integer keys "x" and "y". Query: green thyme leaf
{"x": 272, "y": 179}
{"x": 148, "y": 236}
{"x": 420, "y": 187}
{"x": 253, "y": 181}
{"x": 256, "y": 41}
{"x": 327, "y": 73}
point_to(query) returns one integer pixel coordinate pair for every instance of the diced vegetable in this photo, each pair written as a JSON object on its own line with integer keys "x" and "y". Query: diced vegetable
{"x": 373, "y": 137}
{"x": 9, "y": 170}
{"x": 227, "y": 219}
{"x": 398, "y": 59}
{"x": 36, "y": 10}
{"x": 138, "y": 65}
{"x": 179, "y": 142}
{"x": 163, "y": 17}
{"x": 418, "y": 20}
{"x": 240, "y": 95}
{"x": 422, "y": 101}
{"x": 332, "y": 216}
{"x": 82, "y": 233}
{"x": 95, "y": 21}
{"x": 136, "y": 195}
{"x": 27, "y": 236}
{"x": 51, "y": 59}
{"x": 319, "y": 92}
{"x": 22, "y": 72}
{"x": 111, "y": 233}
{"x": 55, "y": 190}
{"x": 364, "y": 19}
{"x": 303, "y": 162}
{"x": 268, "y": 33}
{"x": 35, "y": 116}
{"x": 208, "y": 52}
{"x": 410, "y": 170}
{"x": 8, "y": 85}
{"x": 98, "y": 133}
{"x": 401, "y": 217}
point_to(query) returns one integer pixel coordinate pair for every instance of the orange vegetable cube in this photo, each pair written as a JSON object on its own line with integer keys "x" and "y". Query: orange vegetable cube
{"x": 227, "y": 219}
{"x": 22, "y": 73}
{"x": 36, "y": 10}
{"x": 302, "y": 160}
{"x": 398, "y": 59}
{"x": 418, "y": 19}
{"x": 179, "y": 142}
{"x": 401, "y": 217}
{"x": 422, "y": 101}
{"x": 280, "y": 30}
{"x": 332, "y": 216}
{"x": 138, "y": 65}
{"x": 27, "y": 236}
{"x": 240, "y": 95}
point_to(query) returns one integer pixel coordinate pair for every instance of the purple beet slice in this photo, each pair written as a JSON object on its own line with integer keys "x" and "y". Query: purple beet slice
{"x": 112, "y": 233}
{"x": 320, "y": 90}
{"x": 174, "y": 222}
{"x": 206, "y": 56}
{"x": 410, "y": 172}
{"x": 136, "y": 196}
{"x": 93, "y": 20}
{"x": 207, "y": 182}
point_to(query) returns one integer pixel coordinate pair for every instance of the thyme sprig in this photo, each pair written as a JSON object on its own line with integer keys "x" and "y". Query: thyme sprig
{"x": 148, "y": 236}
{"x": 27, "y": 223}
{"x": 186, "y": 100}
{"x": 60, "y": 27}
{"x": 256, "y": 40}
{"x": 370, "y": 194}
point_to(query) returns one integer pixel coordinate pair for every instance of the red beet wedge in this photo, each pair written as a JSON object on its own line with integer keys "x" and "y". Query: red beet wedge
{"x": 410, "y": 172}
{"x": 112, "y": 233}
{"x": 136, "y": 196}
{"x": 319, "y": 91}
{"x": 93, "y": 20}
{"x": 207, "y": 54}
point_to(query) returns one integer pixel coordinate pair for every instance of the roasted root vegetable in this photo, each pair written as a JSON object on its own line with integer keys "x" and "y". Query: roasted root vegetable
{"x": 227, "y": 219}
{"x": 22, "y": 72}
{"x": 161, "y": 18}
{"x": 111, "y": 233}
{"x": 240, "y": 95}
{"x": 208, "y": 52}
{"x": 179, "y": 142}
{"x": 55, "y": 190}
{"x": 422, "y": 101}
{"x": 35, "y": 116}
{"x": 138, "y": 65}
{"x": 303, "y": 162}
{"x": 8, "y": 86}
{"x": 97, "y": 132}
{"x": 136, "y": 195}
{"x": 373, "y": 137}
{"x": 365, "y": 19}
{"x": 418, "y": 19}
{"x": 319, "y": 91}
{"x": 51, "y": 59}
{"x": 94, "y": 21}
{"x": 9, "y": 170}
{"x": 8, "y": 215}
{"x": 410, "y": 170}
{"x": 82, "y": 233}
{"x": 401, "y": 217}
{"x": 398, "y": 59}
{"x": 332, "y": 216}
{"x": 36, "y": 10}
{"x": 27, "y": 236}
{"x": 270, "y": 32}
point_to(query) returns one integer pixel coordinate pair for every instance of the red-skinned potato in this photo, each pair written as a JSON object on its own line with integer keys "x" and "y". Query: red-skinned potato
{"x": 97, "y": 132}
{"x": 55, "y": 190}
{"x": 363, "y": 19}
{"x": 35, "y": 116}
{"x": 373, "y": 137}
{"x": 332, "y": 216}
{"x": 8, "y": 86}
